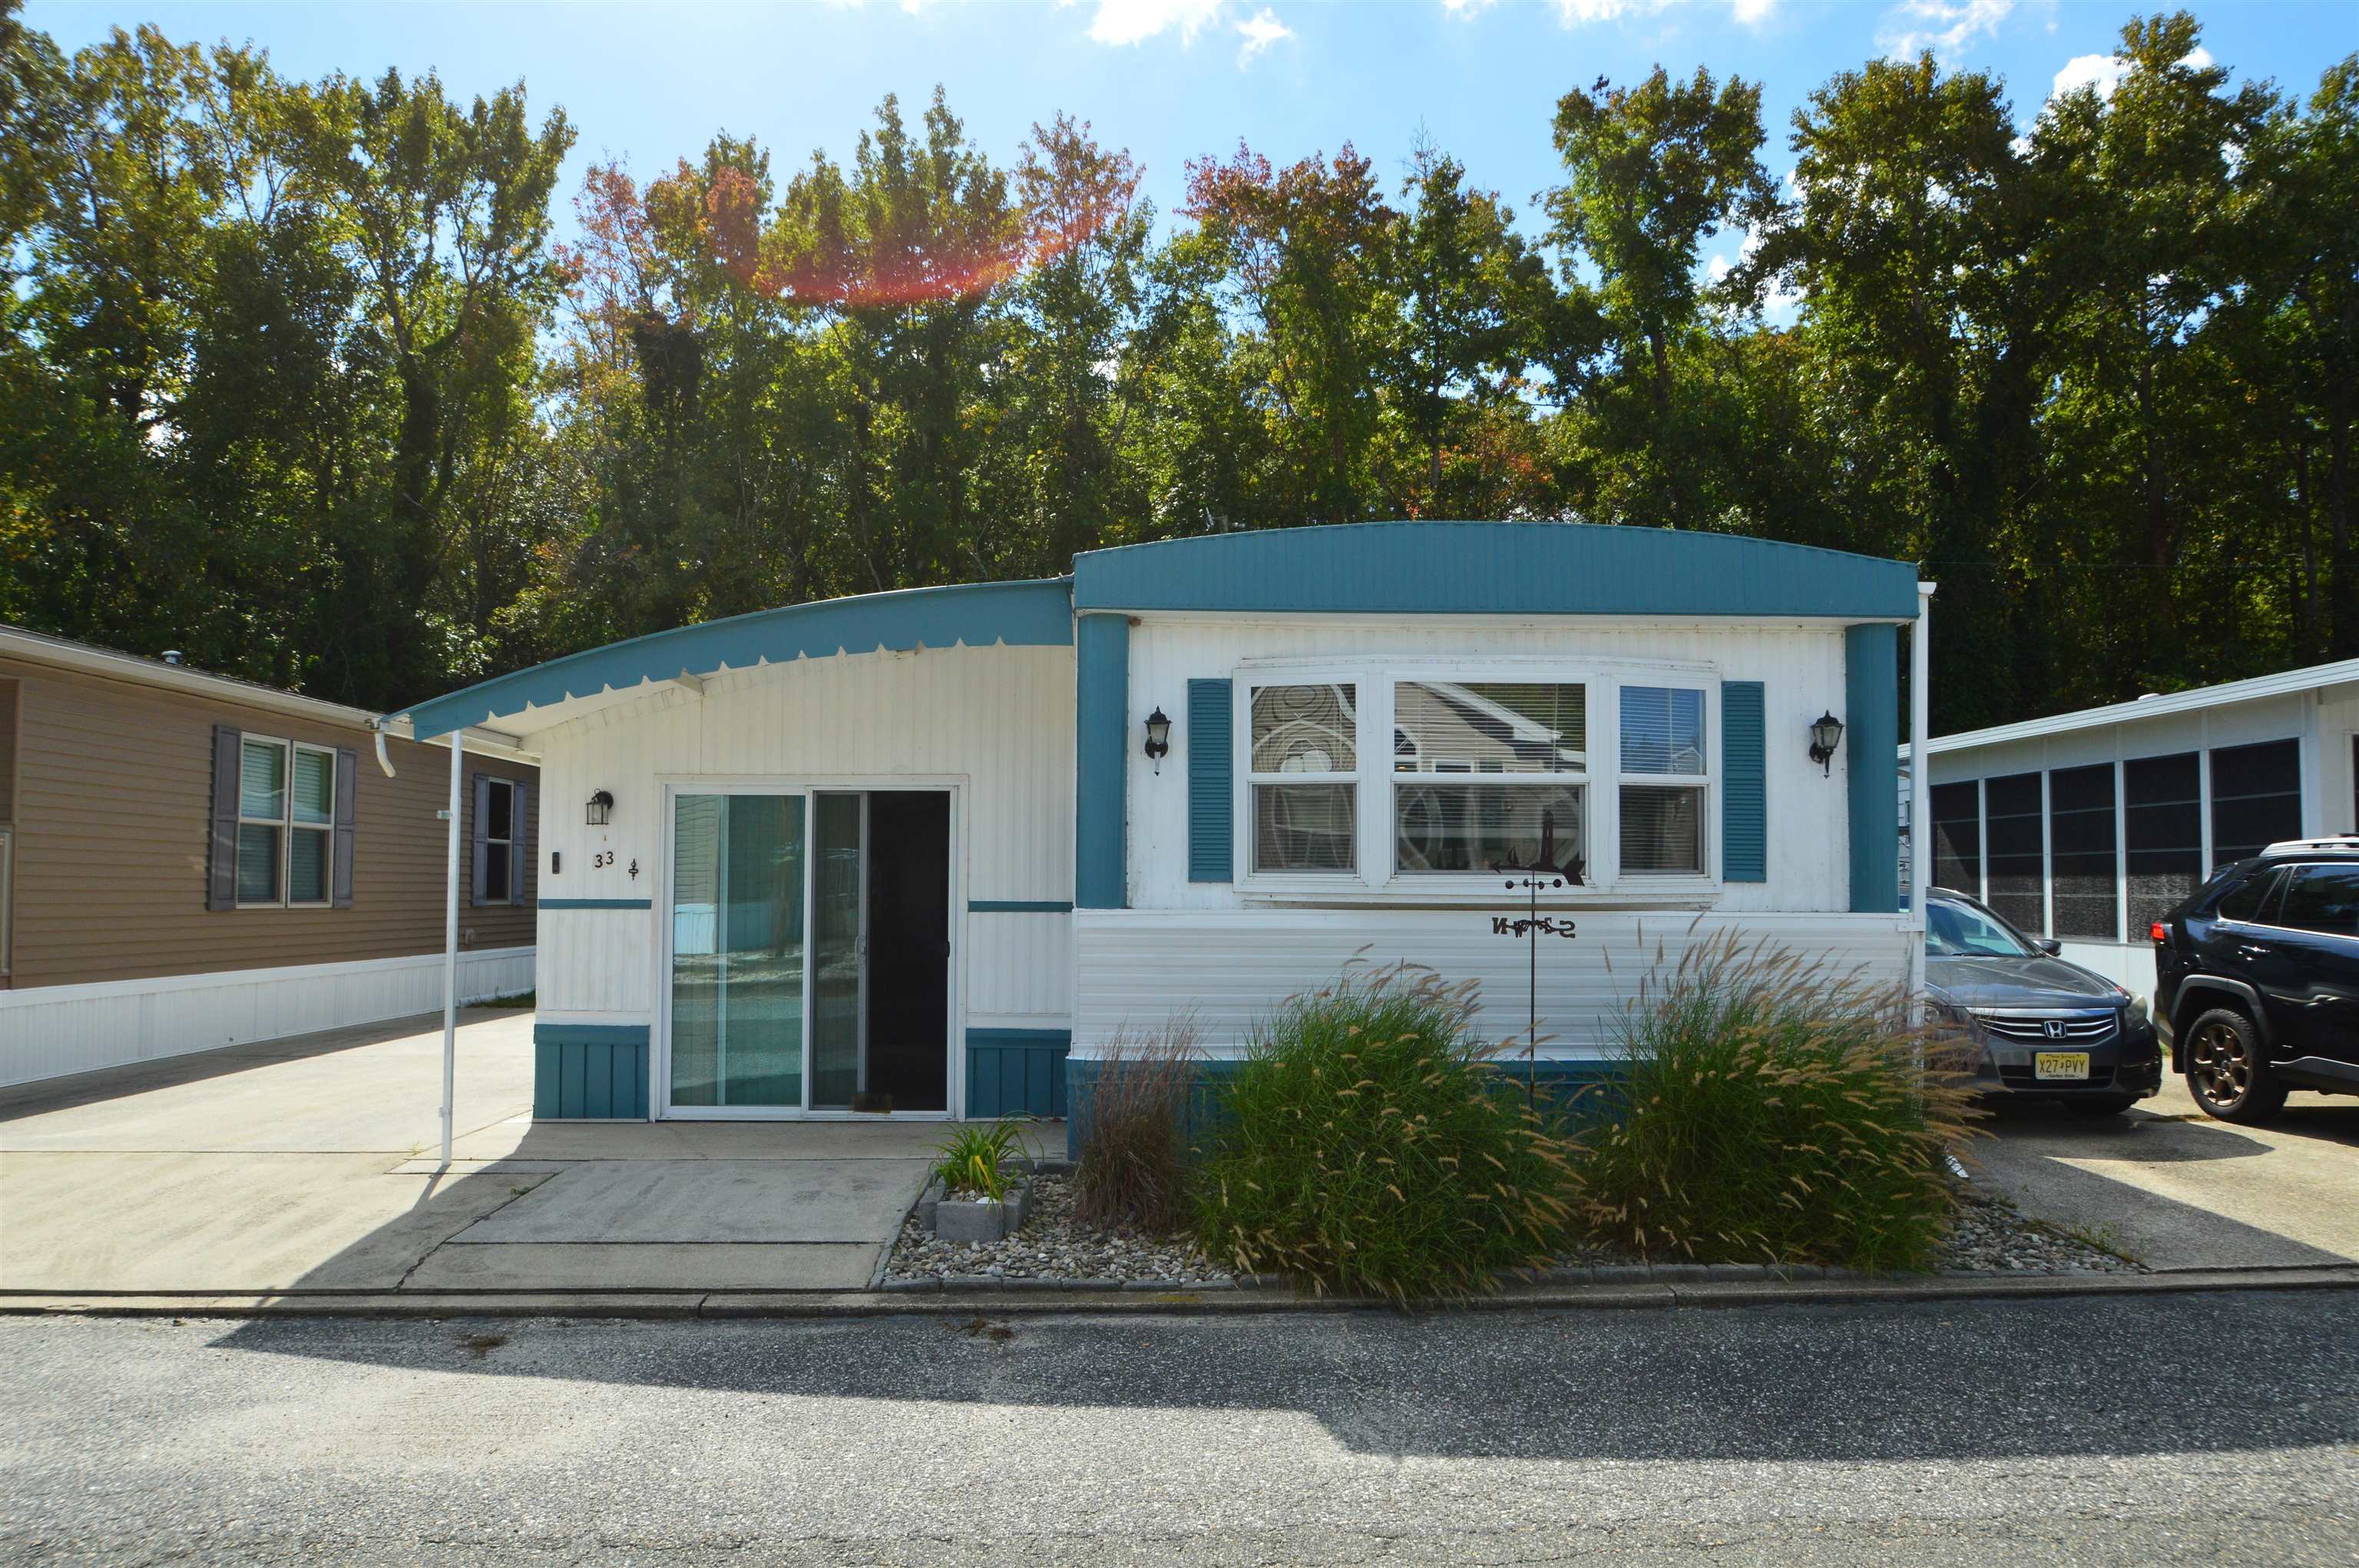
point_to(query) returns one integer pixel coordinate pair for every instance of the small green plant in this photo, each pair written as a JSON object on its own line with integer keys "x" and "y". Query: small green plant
{"x": 1373, "y": 1147}
{"x": 1771, "y": 1109}
{"x": 974, "y": 1158}
{"x": 1133, "y": 1171}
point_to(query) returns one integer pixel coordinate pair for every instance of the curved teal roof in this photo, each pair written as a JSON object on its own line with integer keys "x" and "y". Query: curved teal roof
{"x": 1495, "y": 569}
{"x": 1030, "y": 614}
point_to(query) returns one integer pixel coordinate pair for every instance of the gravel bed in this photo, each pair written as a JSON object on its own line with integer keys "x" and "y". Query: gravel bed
{"x": 1053, "y": 1246}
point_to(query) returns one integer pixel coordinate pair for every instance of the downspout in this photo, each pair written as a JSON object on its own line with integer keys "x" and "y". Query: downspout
{"x": 376, "y": 729}
{"x": 1920, "y": 793}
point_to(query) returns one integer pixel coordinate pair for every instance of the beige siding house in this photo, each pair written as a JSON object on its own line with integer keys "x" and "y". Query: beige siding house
{"x": 189, "y": 861}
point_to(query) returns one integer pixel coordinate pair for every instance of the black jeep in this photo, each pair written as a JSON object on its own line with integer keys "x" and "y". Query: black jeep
{"x": 2256, "y": 979}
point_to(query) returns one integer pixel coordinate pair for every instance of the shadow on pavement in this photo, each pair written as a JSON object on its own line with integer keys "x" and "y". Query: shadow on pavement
{"x": 1836, "y": 1384}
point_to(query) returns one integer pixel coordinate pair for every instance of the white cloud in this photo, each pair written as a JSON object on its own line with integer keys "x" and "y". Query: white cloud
{"x": 2104, "y": 71}
{"x": 1467, "y": 8}
{"x": 1945, "y": 26}
{"x": 1588, "y": 12}
{"x": 1259, "y": 31}
{"x": 1136, "y": 21}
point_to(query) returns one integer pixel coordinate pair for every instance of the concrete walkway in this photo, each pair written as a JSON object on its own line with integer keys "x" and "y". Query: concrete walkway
{"x": 313, "y": 1164}
{"x": 2175, "y": 1190}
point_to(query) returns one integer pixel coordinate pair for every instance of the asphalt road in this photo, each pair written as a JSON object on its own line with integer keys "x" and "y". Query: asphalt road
{"x": 2220, "y": 1428}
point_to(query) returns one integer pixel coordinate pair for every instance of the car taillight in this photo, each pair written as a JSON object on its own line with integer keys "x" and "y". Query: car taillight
{"x": 2160, "y": 933}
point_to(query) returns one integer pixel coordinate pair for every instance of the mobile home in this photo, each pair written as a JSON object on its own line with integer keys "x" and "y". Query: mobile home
{"x": 927, "y": 852}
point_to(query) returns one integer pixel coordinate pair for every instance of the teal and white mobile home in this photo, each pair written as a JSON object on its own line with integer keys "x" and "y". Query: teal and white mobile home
{"x": 925, "y": 853}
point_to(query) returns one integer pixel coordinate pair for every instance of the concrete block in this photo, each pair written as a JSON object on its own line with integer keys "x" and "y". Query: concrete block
{"x": 969, "y": 1219}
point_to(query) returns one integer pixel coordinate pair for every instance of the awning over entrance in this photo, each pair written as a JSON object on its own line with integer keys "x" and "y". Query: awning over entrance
{"x": 1034, "y": 613}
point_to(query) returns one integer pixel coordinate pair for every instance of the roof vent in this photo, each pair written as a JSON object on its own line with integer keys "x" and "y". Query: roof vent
{"x": 174, "y": 656}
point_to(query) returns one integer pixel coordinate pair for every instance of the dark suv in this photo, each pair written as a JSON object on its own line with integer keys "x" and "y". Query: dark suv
{"x": 2256, "y": 979}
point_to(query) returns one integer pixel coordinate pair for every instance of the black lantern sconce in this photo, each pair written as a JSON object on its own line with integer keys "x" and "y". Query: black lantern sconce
{"x": 1158, "y": 738}
{"x": 1826, "y": 734}
{"x": 601, "y": 810}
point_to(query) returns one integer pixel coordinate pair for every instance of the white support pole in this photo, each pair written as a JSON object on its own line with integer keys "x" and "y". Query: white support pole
{"x": 450, "y": 950}
{"x": 1920, "y": 788}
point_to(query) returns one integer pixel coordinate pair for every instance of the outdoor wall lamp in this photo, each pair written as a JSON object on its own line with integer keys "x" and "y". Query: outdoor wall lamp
{"x": 1826, "y": 734}
{"x": 1158, "y": 738}
{"x": 601, "y": 810}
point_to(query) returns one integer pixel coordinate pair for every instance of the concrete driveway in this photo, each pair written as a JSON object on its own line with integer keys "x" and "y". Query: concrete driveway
{"x": 312, "y": 1164}
{"x": 2175, "y": 1190}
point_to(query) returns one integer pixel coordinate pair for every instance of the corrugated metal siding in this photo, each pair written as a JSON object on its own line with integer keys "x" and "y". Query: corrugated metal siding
{"x": 1210, "y": 745}
{"x": 999, "y": 718}
{"x": 1800, "y": 667}
{"x": 1743, "y": 798}
{"x": 1139, "y": 968}
{"x": 113, "y": 781}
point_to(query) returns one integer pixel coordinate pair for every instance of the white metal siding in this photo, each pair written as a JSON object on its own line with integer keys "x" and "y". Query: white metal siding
{"x": 1799, "y": 666}
{"x": 1139, "y": 968}
{"x": 999, "y": 719}
{"x": 51, "y": 1030}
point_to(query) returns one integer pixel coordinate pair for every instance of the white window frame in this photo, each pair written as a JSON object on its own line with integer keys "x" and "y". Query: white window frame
{"x": 505, "y": 846}
{"x": 285, "y": 825}
{"x": 1378, "y": 878}
{"x": 1700, "y": 784}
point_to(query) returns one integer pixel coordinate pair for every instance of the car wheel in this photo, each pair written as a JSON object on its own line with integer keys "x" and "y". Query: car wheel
{"x": 2095, "y": 1106}
{"x": 2224, "y": 1070}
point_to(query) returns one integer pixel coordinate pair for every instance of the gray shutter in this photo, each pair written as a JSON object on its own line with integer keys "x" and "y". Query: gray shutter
{"x": 1745, "y": 784}
{"x": 220, "y": 853}
{"x": 1211, "y": 753}
{"x": 520, "y": 855}
{"x": 479, "y": 795}
{"x": 348, "y": 784}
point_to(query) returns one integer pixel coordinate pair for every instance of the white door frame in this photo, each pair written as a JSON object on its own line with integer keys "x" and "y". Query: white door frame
{"x": 673, "y": 785}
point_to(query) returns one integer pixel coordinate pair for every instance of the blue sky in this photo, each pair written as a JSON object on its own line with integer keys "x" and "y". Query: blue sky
{"x": 1173, "y": 80}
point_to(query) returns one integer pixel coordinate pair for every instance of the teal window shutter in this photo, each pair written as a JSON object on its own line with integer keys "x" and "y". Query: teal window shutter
{"x": 1745, "y": 784}
{"x": 1211, "y": 756}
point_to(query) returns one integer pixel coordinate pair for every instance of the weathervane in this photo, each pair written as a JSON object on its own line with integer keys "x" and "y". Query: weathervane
{"x": 1544, "y": 872}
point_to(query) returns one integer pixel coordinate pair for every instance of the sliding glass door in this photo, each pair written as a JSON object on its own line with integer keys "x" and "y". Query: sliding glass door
{"x": 809, "y": 953}
{"x": 737, "y": 991}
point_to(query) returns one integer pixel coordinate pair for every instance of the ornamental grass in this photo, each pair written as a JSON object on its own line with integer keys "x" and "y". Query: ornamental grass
{"x": 1133, "y": 1170}
{"x": 1370, "y": 1146}
{"x": 1775, "y": 1110}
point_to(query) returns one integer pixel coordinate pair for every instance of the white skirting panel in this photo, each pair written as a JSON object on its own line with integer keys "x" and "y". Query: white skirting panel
{"x": 52, "y": 1030}
{"x": 1136, "y": 968}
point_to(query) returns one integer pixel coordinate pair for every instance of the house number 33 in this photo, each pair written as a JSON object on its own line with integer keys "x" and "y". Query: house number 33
{"x": 604, "y": 857}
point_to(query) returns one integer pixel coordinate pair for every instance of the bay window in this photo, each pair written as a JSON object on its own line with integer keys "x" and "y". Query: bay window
{"x": 1305, "y": 778}
{"x": 1372, "y": 776}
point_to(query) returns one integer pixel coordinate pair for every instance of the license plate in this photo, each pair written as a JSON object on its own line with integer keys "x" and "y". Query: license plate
{"x": 2059, "y": 1064}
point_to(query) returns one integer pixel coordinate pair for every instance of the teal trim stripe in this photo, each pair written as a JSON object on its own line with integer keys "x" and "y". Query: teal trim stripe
{"x": 589, "y": 1071}
{"x": 1015, "y": 1072}
{"x": 596, "y": 904}
{"x": 1102, "y": 747}
{"x": 1872, "y": 766}
{"x": 1212, "y": 749}
{"x": 1030, "y": 614}
{"x": 1745, "y": 784}
{"x": 1495, "y": 569}
{"x": 1019, "y": 907}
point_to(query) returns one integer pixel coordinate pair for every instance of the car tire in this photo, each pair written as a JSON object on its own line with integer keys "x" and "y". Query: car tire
{"x": 2095, "y": 1106}
{"x": 2225, "y": 1071}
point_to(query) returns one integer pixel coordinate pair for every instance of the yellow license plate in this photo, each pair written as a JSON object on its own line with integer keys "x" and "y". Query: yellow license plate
{"x": 2059, "y": 1064}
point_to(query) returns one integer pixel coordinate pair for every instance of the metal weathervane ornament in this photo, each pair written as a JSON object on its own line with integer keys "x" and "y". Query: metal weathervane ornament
{"x": 1545, "y": 872}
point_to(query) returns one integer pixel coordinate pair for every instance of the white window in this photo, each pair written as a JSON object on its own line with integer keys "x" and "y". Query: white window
{"x": 1437, "y": 779}
{"x": 1303, "y": 778}
{"x": 500, "y": 827}
{"x": 1488, "y": 774}
{"x": 286, "y": 822}
{"x": 1663, "y": 781}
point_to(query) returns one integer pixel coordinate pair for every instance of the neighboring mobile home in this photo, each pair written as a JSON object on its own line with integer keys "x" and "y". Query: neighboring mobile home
{"x": 929, "y": 853}
{"x": 2088, "y": 826}
{"x": 189, "y": 861}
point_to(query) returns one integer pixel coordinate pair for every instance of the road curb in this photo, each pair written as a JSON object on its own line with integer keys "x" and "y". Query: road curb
{"x": 1000, "y": 1303}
